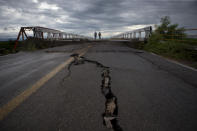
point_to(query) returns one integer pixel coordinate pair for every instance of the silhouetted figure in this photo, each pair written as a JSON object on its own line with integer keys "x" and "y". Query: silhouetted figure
{"x": 95, "y": 35}
{"x": 99, "y": 35}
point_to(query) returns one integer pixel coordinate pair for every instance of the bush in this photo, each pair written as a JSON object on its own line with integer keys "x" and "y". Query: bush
{"x": 173, "y": 49}
{"x": 7, "y": 47}
{"x": 159, "y": 43}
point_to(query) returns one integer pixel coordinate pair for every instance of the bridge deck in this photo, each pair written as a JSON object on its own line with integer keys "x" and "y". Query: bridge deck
{"x": 150, "y": 95}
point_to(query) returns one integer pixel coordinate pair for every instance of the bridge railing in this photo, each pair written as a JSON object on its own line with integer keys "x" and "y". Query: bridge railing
{"x": 135, "y": 34}
{"x": 190, "y": 36}
{"x": 47, "y": 34}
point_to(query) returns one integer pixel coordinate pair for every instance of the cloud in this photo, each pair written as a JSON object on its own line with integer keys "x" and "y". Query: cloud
{"x": 45, "y": 5}
{"x": 86, "y": 16}
{"x": 35, "y": 1}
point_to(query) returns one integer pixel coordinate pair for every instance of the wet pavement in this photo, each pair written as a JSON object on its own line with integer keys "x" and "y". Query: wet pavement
{"x": 116, "y": 88}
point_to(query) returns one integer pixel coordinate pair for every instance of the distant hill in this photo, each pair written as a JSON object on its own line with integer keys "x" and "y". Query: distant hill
{"x": 7, "y": 39}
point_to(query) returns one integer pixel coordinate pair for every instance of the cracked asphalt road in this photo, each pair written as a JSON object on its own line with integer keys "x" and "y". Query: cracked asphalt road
{"x": 152, "y": 94}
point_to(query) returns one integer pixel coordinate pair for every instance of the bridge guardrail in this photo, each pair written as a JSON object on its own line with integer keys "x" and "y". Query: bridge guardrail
{"x": 188, "y": 38}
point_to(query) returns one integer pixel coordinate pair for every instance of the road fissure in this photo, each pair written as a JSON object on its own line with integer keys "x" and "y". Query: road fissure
{"x": 110, "y": 114}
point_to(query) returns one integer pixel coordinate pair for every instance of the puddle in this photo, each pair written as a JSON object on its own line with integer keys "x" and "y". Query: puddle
{"x": 110, "y": 114}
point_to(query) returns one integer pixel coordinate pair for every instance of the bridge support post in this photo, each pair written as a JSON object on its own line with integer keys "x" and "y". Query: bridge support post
{"x": 134, "y": 34}
{"x": 146, "y": 34}
{"x": 139, "y": 35}
{"x": 42, "y": 35}
{"x": 130, "y": 36}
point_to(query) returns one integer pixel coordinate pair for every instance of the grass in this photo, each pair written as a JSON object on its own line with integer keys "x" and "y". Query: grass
{"x": 178, "y": 50}
{"x": 173, "y": 49}
{"x": 191, "y": 41}
{"x": 7, "y": 47}
{"x": 31, "y": 44}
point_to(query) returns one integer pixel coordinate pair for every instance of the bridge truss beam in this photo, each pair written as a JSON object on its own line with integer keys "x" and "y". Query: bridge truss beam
{"x": 133, "y": 34}
{"x": 48, "y": 34}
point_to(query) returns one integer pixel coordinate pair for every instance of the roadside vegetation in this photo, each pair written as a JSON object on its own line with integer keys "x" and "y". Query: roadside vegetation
{"x": 171, "y": 41}
{"x": 30, "y": 44}
{"x": 7, "y": 47}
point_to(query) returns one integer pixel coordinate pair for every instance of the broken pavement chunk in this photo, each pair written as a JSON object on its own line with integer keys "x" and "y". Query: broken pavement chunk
{"x": 108, "y": 121}
{"x": 110, "y": 106}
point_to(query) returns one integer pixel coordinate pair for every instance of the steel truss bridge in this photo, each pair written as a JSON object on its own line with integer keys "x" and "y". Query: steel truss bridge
{"x": 52, "y": 34}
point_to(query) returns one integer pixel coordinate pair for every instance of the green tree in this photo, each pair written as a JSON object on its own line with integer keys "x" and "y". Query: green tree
{"x": 168, "y": 30}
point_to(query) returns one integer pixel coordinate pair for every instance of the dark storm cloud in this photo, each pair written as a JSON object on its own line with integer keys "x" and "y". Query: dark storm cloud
{"x": 87, "y": 16}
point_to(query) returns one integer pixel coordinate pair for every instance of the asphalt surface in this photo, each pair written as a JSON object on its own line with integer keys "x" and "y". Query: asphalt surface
{"x": 153, "y": 94}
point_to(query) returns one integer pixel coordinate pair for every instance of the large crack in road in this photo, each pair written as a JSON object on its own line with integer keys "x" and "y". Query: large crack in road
{"x": 110, "y": 114}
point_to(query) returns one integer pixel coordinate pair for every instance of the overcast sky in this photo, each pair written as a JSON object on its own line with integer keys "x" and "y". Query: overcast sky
{"x": 86, "y": 16}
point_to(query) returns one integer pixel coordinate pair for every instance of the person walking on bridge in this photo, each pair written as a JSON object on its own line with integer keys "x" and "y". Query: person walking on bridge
{"x": 99, "y": 35}
{"x": 95, "y": 35}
